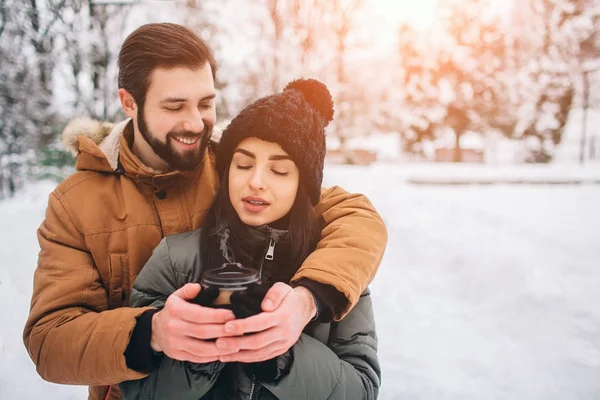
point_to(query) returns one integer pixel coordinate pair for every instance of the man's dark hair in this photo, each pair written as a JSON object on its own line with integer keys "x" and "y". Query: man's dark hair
{"x": 159, "y": 45}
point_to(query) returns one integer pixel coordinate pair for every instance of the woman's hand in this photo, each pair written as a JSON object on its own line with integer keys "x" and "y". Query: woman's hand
{"x": 271, "y": 333}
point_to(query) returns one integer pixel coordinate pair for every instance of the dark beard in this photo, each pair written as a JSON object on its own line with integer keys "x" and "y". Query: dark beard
{"x": 177, "y": 161}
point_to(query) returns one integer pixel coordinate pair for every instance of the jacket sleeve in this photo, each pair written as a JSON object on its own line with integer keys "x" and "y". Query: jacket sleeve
{"x": 168, "y": 379}
{"x": 351, "y": 247}
{"x": 347, "y": 368}
{"x": 70, "y": 335}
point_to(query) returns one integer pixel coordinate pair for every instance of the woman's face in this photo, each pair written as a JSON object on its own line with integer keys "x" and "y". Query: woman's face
{"x": 263, "y": 182}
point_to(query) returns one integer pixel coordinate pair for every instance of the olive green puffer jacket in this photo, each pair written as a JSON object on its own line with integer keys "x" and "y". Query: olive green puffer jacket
{"x": 336, "y": 360}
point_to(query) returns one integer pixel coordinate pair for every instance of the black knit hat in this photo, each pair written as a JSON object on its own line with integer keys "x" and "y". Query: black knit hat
{"x": 294, "y": 119}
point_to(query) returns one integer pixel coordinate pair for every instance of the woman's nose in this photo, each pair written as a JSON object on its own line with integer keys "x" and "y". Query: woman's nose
{"x": 257, "y": 181}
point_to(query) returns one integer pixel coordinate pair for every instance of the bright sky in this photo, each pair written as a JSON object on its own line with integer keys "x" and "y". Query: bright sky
{"x": 420, "y": 13}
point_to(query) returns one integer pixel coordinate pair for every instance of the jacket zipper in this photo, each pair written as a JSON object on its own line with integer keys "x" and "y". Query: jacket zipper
{"x": 270, "y": 250}
{"x": 252, "y": 387}
{"x": 269, "y": 254}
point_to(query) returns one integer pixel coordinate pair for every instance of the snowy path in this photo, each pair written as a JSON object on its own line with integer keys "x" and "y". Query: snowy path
{"x": 484, "y": 293}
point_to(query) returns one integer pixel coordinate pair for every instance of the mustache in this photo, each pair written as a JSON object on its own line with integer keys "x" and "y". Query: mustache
{"x": 190, "y": 134}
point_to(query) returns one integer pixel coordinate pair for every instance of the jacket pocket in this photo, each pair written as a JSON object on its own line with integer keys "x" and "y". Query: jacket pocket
{"x": 118, "y": 293}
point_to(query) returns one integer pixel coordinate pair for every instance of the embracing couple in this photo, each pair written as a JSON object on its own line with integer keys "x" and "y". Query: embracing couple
{"x": 156, "y": 206}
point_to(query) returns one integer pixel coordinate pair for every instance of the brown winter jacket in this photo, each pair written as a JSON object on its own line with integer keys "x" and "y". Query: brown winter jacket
{"x": 101, "y": 226}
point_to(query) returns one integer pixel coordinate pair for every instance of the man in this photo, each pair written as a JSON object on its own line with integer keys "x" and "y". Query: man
{"x": 152, "y": 176}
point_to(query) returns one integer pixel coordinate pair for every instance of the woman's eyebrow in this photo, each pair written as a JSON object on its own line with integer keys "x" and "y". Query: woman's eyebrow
{"x": 244, "y": 152}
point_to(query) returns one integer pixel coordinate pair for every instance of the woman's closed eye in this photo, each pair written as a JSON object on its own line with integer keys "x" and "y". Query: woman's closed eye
{"x": 280, "y": 173}
{"x": 244, "y": 167}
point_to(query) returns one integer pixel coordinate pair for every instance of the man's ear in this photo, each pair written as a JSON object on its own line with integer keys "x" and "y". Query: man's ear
{"x": 128, "y": 103}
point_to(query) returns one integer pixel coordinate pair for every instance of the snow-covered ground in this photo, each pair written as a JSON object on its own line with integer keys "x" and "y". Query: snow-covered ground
{"x": 458, "y": 174}
{"x": 485, "y": 292}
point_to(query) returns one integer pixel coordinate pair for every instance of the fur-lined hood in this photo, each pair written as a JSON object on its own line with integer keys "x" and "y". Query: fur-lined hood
{"x": 89, "y": 135}
{"x": 78, "y": 134}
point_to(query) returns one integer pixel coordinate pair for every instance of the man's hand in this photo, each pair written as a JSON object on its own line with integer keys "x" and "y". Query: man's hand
{"x": 274, "y": 331}
{"x": 182, "y": 330}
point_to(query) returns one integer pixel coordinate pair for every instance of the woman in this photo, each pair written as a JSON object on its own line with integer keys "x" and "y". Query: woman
{"x": 270, "y": 162}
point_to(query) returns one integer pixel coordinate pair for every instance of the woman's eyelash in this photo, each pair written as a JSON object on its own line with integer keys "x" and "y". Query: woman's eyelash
{"x": 247, "y": 167}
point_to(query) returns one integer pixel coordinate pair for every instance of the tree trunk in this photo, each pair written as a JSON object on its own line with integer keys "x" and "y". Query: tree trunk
{"x": 11, "y": 184}
{"x": 2, "y": 183}
{"x": 278, "y": 31}
{"x": 586, "y": 99}
{"x": 457, "y": 150}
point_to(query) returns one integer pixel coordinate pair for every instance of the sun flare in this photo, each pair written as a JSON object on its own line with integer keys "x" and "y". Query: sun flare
{"x": 419, "y": 14}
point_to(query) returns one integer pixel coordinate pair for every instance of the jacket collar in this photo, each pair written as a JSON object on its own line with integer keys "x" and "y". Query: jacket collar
{"x": 242, "y": 244}
{"x": 256, "y": 234}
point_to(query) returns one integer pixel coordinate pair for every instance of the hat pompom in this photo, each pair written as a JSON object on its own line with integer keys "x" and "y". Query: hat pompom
{"x": 316, "y": 94}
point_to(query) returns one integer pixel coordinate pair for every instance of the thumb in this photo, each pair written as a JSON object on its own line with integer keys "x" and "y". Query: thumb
{"x": 275, "y": 296}
{"x": 188, "y": 291}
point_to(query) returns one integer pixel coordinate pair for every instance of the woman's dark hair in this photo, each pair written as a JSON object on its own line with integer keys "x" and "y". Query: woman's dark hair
{"x": 304, "y": 226}
{"x": 302, "y": 223}
{"x": 159, "y": 45}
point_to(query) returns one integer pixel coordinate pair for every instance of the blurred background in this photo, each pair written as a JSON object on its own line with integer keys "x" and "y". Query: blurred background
{"x": 472, "y": 125}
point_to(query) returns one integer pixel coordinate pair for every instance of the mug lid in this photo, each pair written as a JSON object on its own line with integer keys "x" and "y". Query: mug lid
{"x": 230, "y": 274}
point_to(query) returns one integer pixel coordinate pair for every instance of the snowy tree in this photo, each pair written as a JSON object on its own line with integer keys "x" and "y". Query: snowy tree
{"x": 551, "y": 49}
{"x": 28, "y": 118}
{"x": 585, "y": 37}
{"x": 15, "y": 79}
{"x": 91, "y": 36}
{"x": 409, "y": 102}
{"x": 347, "y": 97}
{"x": 472, "y": 69}
{"x": 307, "y": 38}
{"x": 454, "y": 79}
{"x": 209, "y": 19}
{"x": 52, "y": 49}
{"x": 285, "y": 45}
{"x": 42, "y": 20}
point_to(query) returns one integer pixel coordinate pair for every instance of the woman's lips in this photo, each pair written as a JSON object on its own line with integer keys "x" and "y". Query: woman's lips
{"x": 255, "y": 204}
